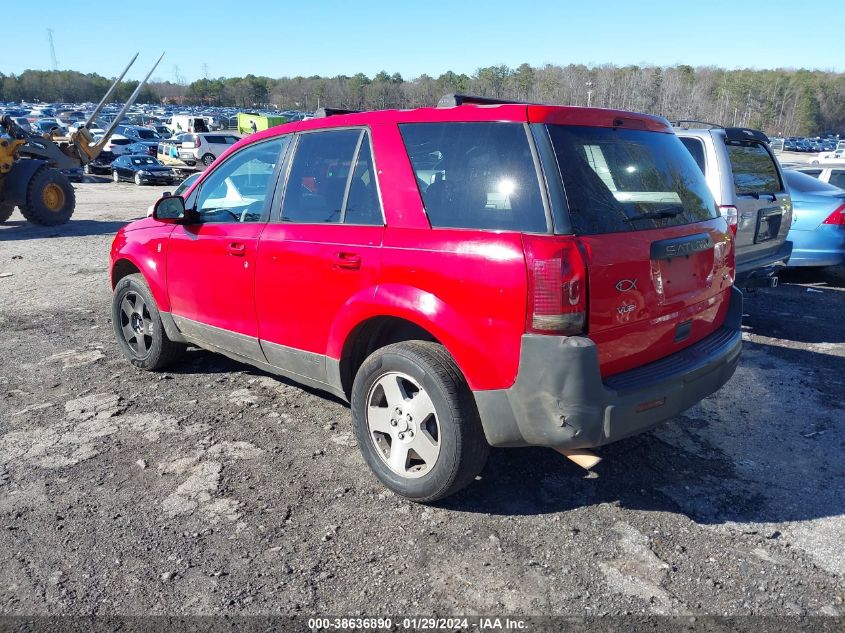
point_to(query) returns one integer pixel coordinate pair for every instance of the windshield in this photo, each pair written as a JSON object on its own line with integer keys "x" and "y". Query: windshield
{"x": 144, "y": 160}
{"x": 628, "y": 180}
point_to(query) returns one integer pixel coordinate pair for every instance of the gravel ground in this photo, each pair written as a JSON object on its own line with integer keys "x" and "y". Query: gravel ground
{"x": 216, "y": 488}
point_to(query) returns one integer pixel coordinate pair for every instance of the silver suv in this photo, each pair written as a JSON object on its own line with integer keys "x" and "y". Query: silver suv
{"x": 748, "y": 185}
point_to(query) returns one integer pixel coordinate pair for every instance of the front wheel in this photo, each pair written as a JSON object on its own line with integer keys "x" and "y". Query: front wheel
{"x": 6, "y": 210}
{"x": 138, "y": 327}
{"x": 115, "y": 176}
{"x": 416, "y": 421}
{"x": 138, "y": 179}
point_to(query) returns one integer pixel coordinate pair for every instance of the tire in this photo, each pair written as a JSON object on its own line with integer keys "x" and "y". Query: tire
{"x": 86, "y": 169}
{"x": 138, "y": 328}
{"x": 6, "y": 211}
{"x": 50, "y": 199}
{"x": 115, "y": 176}
{"x": 138, "y": 180}
{"x": 447, "y": 431}
{"x": 207, "y": 159}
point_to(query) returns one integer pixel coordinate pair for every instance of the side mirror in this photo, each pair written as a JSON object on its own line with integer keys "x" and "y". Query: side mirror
{"x": 170, "y": 208}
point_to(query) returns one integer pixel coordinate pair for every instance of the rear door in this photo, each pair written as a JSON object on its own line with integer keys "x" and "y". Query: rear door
{"x": 323, "y": 253}
{"x": 761, "y": 199}
{"x": 657, "y": 252}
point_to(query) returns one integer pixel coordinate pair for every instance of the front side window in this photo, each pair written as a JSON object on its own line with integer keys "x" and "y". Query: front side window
{"x": 237, "y": 189}
{"x": 476, "y": 175}
{"x": 753, "y": 168}
{"x": 620, "y": 180}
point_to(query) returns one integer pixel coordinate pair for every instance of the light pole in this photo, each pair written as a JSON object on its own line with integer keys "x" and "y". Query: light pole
{"x": 589, "y": 93}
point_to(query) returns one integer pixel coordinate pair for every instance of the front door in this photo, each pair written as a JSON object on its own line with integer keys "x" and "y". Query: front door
{"x": 211, "y": 263}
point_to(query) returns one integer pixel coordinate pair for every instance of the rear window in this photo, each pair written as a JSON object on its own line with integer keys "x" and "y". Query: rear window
{"x": 476, "y": 175}
{"x": 753, "y": 169}
{"x": 620, "y": 180}
{"x": 805, "y": 183}
{"x": 837, "y": 179}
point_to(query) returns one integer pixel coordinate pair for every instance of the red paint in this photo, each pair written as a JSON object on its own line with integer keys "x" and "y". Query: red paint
{"x": 310, "y": 286}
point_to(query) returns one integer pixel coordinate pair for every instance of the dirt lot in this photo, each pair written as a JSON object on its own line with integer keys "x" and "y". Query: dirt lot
{"x": 216, "y": 488}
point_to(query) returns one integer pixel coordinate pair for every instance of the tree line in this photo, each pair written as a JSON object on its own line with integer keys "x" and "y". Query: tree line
{"x": 783, "y": 102}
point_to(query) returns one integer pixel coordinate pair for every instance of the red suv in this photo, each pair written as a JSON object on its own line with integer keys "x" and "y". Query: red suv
{"x": 471, "y": 275}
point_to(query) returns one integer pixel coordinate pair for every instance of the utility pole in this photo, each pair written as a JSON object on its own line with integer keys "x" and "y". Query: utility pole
{"x": 589, "y": 93}
{"x": 52, "y": 50}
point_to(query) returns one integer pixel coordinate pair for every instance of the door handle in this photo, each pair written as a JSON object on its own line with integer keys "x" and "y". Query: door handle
{"x": 346, "y": 261}
{"x": 236, "y": 248}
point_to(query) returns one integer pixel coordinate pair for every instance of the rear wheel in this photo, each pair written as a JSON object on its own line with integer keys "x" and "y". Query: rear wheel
{"x": 6, "y": 210}
{"x": 207, "y": 160}
{"x": 138, "y": 327}
{"x": 416, "y": 421}
{"x": 50, "y": 199}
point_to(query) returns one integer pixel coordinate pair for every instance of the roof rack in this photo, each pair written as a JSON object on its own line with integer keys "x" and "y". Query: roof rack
{"x": 322, "y": 113}
{"x": 686, "y": 122}
{"x": 451, "y": 100}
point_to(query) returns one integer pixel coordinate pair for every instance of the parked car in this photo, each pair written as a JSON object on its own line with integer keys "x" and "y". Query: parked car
{"x": 509, "y": 275}
{"x": 181, "y": 190}
{"x": 118, "y": 144}
{"x": 48, "y": 126}
{"x": 204, "y": 148}
{"x": 138, "y": 133}
{"x": 150, "y": 149}
{"x": 23, "y": 123}
{"x": 74, "y": 174}
{"x": 746, "y": 180}
{"x": 142, "y": 170}
{"x": 818, "y": 221}
{"x": 826, "y": 157}
{"x": 100, "y": 165}
{"x": 833, "y": 173}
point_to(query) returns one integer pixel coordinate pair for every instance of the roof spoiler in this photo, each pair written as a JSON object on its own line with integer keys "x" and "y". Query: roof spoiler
{"x": 452, "y": 100}
{"x": 322, "y": 113}
{"x": 745, "y": 134}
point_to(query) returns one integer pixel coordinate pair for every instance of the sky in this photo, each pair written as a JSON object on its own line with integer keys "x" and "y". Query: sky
{"x": 330, "y": 37}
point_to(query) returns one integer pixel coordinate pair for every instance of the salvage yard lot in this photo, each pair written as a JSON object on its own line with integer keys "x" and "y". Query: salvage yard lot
{"x": 216, "y": 488}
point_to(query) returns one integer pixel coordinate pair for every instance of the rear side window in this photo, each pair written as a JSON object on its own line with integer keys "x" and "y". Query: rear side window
{"x": 837, "y": 179}
{"x": 476, "y": 175}
{"x": 324, "y": 187}
{"x": 620, "y": 180}
{"x": 696, "y": 148}
{"x": 753, "y": 169}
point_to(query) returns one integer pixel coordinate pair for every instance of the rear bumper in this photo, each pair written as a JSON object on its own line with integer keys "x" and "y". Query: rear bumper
{"x": 560, "y": 400}
{"x": 823, "y": 246}
{"x": 755, "y": 272}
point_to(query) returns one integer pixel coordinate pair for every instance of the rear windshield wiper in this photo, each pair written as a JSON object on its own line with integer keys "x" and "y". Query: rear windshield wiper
{"x": 668, "y": 212}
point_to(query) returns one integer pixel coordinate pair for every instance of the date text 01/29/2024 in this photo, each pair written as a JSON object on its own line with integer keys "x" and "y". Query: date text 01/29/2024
{"x": 418, "y": 623}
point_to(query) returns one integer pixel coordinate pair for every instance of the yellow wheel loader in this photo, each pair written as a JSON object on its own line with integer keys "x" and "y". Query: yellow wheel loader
{"x": 30, "y": 176}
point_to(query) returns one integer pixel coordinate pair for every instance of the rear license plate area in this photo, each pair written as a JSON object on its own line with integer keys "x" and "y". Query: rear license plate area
{"x": 768, "y": 225}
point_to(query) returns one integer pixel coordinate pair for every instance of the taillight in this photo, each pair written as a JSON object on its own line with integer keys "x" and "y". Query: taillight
{"x": 836, "y": 218}
{"x": 557, "y": 286}
{"x": 197, "y": 140}
{"x": 731, "y": 215}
